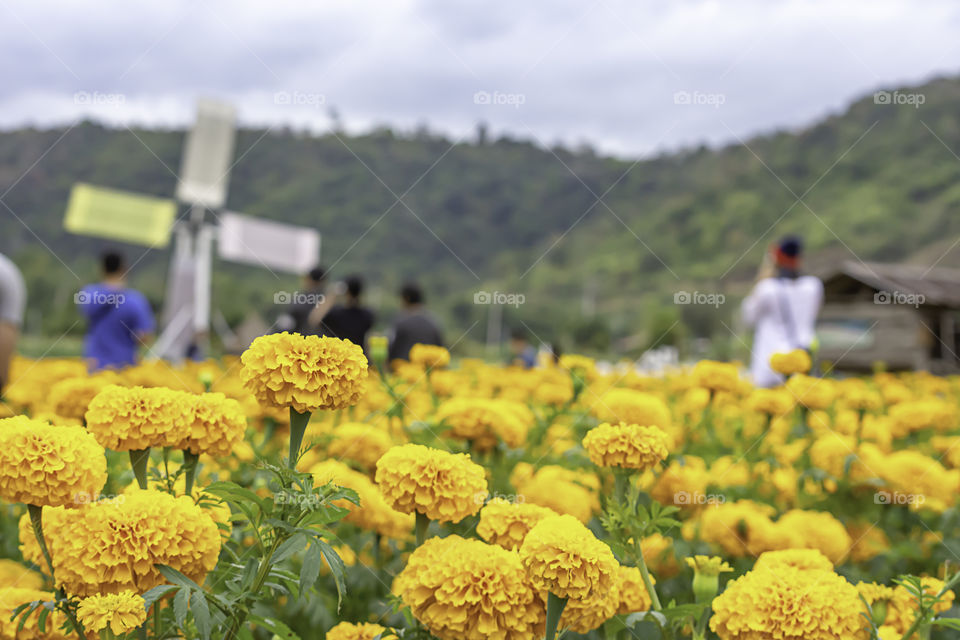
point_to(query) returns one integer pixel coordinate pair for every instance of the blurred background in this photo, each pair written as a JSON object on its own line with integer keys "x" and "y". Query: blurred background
{"x": 606, "y": 176}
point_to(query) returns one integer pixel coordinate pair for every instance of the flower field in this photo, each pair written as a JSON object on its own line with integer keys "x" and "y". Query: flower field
{"x": 300, "y": 492}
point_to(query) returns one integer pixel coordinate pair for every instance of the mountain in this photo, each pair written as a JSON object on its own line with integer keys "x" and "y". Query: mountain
{"x": 597, "y": 246}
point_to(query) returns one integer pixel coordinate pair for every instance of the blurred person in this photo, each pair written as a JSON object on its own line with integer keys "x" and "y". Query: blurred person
{"x": 522, "y": 353}
{"x": 415, "y": 325}
{"x": 349, "y": 320}
{"x": 305, "y": 309}
{"x": 782, "y": 309}
{"x": 119, "y": 319}
{"x": 13, "y": 299}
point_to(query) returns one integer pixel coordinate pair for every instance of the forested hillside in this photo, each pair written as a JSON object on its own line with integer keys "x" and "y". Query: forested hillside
{"x": 880, "y": 180}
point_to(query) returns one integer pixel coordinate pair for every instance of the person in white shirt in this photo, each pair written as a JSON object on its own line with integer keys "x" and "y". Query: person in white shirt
{"x": 782, "y": 309}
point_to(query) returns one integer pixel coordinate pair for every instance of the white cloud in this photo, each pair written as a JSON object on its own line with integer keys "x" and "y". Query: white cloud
{"x": 604, "y": 71}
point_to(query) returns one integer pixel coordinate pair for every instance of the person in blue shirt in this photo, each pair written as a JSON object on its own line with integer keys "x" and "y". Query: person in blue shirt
{"x": 119, "y": 319}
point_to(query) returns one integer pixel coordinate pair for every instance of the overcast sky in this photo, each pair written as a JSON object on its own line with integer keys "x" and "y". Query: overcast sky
{"x": 628, "y": 76}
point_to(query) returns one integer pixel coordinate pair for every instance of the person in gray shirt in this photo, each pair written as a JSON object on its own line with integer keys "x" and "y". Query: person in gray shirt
{"x": 415, "y": 325}
{"x": 13, "y": 299}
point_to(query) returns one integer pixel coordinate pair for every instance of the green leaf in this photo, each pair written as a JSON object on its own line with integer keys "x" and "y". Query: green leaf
{"x": 277, "y": 628}
{"x": 201, "y": 614}
{"x": 156, "y": 593}
{"x": 337, "y": 569}
{"x": 42, "y": 619}
{"x": 950, "y": 623}
{"x": 232, "y": 492}
{"x": 180, "y": 606}
{"x": 176, "y": 577}
{"x": 310, "y": 570}
{"x": 640, "y": 616}
{"x": 290, "y": 547}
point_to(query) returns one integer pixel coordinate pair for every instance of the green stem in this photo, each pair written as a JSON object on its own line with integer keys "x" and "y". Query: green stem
{"x": 138, "y": 460}
{"x": 298, "y": 426}
{"x": 555, "y": 606}
{"x": 36, "y": 519}
{"x": 423, "y": 522}
{"x": 190, "y": 460}
{"x": 262, "y": 572}
{"x": 648, "y": 583}
{"x": 621, "y": 481}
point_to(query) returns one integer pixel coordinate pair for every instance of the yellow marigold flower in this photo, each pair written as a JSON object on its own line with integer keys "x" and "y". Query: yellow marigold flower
{"x": 373, "y": 514}
{"x": 658, "y": 553}
{"x": 742, "y": 528}
{"x": 111, "y": 546}
{"x": 358, "y": 631}
{"x": 902, "y": 608}
{"x": 789, "y": 604}
{"x": 485, "y": 422}
{"x": 71, "y": 397}
{"x": 304, "y": 372}
{"x": 506, "y": 523}
{"x": 359, "y": 442}
{"x": 791, "y": 362}
{"x": 563, "y": 557}
{"x": 445, "y": 487}
{"x": 910, "y": 417}
{"x": 817, "y": 530}
{"x": 53, "y": 521}
{"x": 803, "y": 559}
{"x": 135, "y": 418}
{"x": 217, "y": 424}
{"x": 429, "y": 356}
{"x": 585, "y": 615}
{"x": 716, "y": 376}
{"x": 122, "y": 612}
{"x": 683, "y": 483}
{"x": 710, "y": 565}
{"x": 560, "y": 489}
{"x": 632, "y": 407}
{"x": 578, "y": 364}
{"x": 12, "y": 597}
{"x": 772, "y": 402}
{"x": 633, "y": 592}
{"x": 45, "y": 465}
{"x": 813, "y": 393}
{"x": 917, "y": 481}
{"x": 629, "y": 446}
{"x": 469, "y": 590}
{"x": 12, "y": 573}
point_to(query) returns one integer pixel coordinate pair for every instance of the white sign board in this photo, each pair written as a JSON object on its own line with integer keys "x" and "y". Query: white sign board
{"x": 207, "y": 156}
{"x": 266, "y": 243}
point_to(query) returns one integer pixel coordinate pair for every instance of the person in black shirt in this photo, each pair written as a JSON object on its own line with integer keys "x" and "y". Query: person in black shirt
{"x": 349, "y": 320}
{"x": 303, "y": 309}
{"x": 415, "y": 325}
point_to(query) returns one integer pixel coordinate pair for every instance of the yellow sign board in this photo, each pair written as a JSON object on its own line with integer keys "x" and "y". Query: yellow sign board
{"x": 120, "y": 215}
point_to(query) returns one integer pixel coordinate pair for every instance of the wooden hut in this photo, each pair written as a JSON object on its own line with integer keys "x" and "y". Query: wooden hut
{"x": 897, "y": 316}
